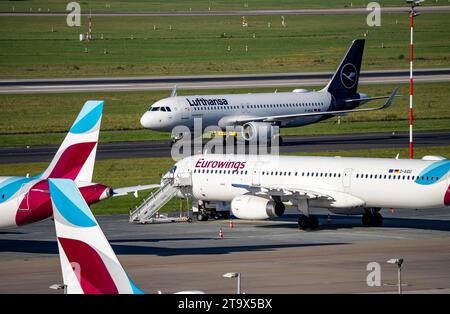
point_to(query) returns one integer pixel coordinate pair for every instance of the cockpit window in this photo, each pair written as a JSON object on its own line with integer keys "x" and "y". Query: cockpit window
{"x": 165, "y": 109}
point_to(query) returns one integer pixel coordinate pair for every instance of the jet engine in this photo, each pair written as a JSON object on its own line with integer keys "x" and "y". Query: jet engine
{"x": 255, "y": 131}
{"x": 255, "y": 207}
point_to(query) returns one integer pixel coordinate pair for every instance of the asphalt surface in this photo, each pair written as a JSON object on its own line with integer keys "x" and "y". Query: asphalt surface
{"x": 362, "y": 10}
{"x": 272, "y": 256}
{"x": 142, "y": 149}
{"x": 211, "y": 82}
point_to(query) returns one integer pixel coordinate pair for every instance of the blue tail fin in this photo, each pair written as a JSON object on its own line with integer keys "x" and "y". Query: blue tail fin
{"x": 345, "y": 80}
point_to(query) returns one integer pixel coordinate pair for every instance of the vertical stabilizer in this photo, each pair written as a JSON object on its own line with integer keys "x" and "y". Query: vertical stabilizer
{"x": 75, "y": 157}
{"x": 89, "y": 264}
{"x": 345, "y": 80}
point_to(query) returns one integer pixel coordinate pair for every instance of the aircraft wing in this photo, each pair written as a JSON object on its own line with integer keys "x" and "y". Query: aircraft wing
{"x": 387, "y": 104}
{"x": 283, "y": 191}
{"x": 133, "y": 189}
{"x": 295, "y": 193}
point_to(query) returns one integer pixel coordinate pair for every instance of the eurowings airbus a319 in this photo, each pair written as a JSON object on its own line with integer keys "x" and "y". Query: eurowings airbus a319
{"x": 260, "y": 187}
{"x": 25, "y": 200}
{"x": 255, "y": 115}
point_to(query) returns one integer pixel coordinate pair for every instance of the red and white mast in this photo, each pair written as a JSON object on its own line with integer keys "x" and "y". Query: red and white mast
{"x": 412, "y": 13}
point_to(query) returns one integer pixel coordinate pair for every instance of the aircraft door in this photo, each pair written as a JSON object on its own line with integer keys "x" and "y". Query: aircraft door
{"x": 346, "y": 178}
{"x": 185, "y": 110}
{"x": 256, "y": 174}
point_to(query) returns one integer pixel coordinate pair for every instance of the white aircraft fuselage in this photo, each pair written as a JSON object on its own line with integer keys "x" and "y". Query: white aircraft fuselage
{"x": 222, "y": 110}
{"x": 342, "y": 185}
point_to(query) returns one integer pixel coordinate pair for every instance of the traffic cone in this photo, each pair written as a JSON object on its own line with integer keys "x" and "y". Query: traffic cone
{"x": 231, "y": 224}
{"x": 220, "y": 233}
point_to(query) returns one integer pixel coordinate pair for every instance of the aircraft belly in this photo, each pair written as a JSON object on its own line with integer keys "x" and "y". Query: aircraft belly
{"x": 214, "y": 189}
{"x": 411, "y": 196}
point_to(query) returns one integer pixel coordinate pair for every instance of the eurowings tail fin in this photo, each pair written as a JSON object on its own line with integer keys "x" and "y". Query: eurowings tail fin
{"x": 89, "y": 264}
{"x": 75, "y": 157}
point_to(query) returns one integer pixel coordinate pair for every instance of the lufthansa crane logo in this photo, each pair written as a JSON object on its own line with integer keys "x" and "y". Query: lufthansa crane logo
{"x": 349, "y": 75}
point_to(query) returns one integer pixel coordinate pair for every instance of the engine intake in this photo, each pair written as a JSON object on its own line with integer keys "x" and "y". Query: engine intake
{"x": 254, "y": 131}
{"x": 255, "y": 207}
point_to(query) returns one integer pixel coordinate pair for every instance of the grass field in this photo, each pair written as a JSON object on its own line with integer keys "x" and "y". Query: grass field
{"x": 199, "y": 45}
{"x": 186, "y": 5}
{"x": 45, "y": 118}
{"x": 124, "y": 172}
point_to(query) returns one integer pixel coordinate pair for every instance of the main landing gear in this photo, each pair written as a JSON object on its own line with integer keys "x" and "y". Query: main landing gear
{"x": 305, "y": 222}
{"x": 372, "y": 218}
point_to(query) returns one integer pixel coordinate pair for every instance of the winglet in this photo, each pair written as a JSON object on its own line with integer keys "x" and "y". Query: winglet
{"x": 89, "y": 264}
{"x": 388, "y": 102}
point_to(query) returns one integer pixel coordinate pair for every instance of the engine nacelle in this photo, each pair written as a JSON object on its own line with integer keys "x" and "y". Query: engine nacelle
{"x": 255, "y": 207}
{"x": 254, "y": 131}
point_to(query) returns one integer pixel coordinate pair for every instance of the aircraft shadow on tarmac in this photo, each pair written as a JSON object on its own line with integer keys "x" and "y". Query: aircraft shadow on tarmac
{"x": 50, "y": 247}
{"x": 10, "y": 232}
{"x": 349, "y": 222}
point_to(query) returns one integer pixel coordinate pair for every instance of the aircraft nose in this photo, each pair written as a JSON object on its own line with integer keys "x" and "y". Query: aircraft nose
{"x": 146, "y": 120}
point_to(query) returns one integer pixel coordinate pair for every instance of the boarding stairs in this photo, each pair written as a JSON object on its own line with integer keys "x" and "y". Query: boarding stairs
{"x": 155, "y": 201}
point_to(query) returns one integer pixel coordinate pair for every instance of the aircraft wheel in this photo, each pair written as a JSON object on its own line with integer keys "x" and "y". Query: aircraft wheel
{"x": 202, "y": 217}
{"x": 377, "y": 219}
{"x": 303, "y": 222}
{"x": 367, "y": 220}
{"x": 314, "y": 222}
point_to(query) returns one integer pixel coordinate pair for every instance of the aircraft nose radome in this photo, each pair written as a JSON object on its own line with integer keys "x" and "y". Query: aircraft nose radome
{"x": 144, "y": 120}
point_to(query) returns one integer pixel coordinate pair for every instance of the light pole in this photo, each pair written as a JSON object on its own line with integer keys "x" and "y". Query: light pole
{"x": 412, "y": 13}
{"x": 235, "y": 275}
{"x": 399, "y": 263}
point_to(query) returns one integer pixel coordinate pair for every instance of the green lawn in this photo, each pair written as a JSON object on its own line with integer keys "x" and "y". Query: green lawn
{"x": 125, "y": 172}
{"x": 198, "y": 45}
{"x": 45, "y": 118}
{"x": 186, "y": 5}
